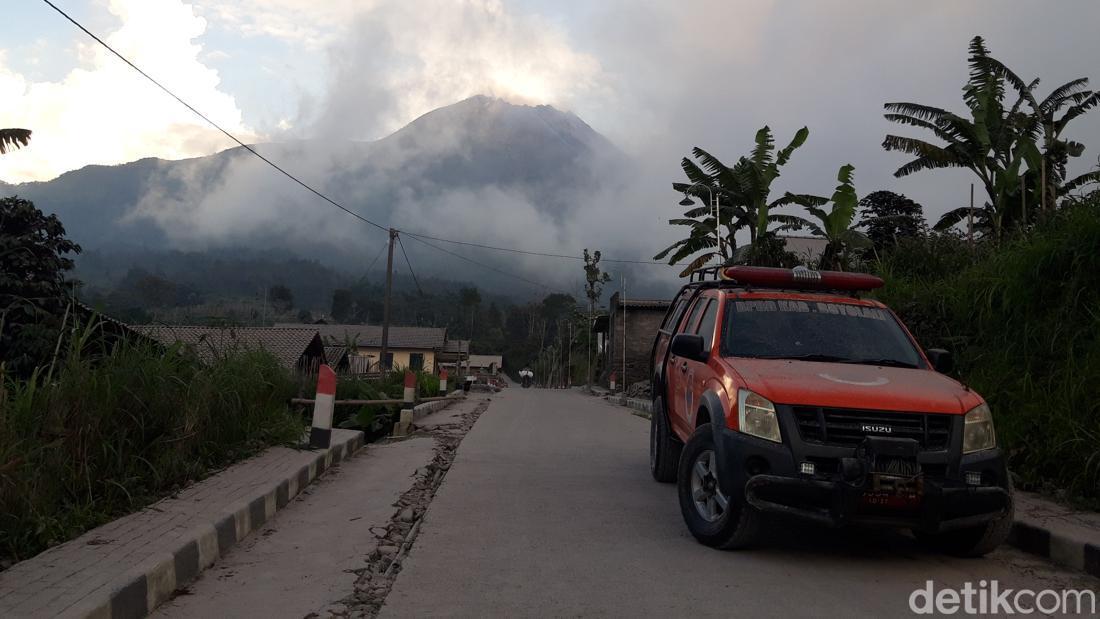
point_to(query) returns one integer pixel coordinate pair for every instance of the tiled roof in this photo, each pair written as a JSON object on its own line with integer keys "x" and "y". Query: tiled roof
{"x": 334, "y": 354}
{"x": 370, "y": 336}
{"x": 484, "y": 361}
{"x": 286, "y": 344}
{"x": 457, "y": 346}
{"x": 658, "y": 304}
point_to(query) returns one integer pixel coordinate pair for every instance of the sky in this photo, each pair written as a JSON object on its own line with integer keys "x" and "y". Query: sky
{"x": 655, "y": 77}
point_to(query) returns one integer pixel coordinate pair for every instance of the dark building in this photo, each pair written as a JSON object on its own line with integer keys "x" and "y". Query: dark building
{"x": 642, "y": 318}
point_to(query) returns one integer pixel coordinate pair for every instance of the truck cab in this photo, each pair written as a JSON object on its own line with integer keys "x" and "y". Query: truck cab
{"x": 781, "y": 392}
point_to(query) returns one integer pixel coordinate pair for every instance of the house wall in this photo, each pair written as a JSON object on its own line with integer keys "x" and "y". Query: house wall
{"x": 641, "y": 329}
{"x": 400, "y": 356}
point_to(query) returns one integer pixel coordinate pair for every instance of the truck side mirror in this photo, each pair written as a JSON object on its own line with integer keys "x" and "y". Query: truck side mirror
{"x": 941, "y": 360}
{"x": 689, "y": 347}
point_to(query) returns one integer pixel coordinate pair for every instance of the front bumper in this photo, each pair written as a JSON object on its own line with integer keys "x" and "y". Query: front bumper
{"x": 767, "y": 476}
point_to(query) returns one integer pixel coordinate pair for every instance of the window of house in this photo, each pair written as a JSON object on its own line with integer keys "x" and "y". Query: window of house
{"x": 416, "y": 361}
{"x": 388, "y": 363}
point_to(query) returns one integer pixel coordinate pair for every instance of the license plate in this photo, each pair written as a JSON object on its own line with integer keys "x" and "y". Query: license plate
{"x": 894, "y": 492}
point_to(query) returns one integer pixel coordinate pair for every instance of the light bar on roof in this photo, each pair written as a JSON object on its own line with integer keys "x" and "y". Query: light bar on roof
{"x": 801, "y": 279}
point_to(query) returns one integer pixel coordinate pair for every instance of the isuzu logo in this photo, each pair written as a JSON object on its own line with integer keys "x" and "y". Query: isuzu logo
{"x": 877, "y": 429}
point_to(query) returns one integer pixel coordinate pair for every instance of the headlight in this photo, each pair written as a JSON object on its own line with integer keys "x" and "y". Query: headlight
{"x": 756, "y": 416}
{"x": 978, "y": 430}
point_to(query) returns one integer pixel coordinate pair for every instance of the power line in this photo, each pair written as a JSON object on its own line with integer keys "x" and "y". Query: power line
{"x": 526, "y": 252}
{"x": 212, "y": 123}
{"x": 481, "y": 264}
{"x": 411, "y": 272}
{"x": 376, "y": 257}
{"x": 317, "y": 193}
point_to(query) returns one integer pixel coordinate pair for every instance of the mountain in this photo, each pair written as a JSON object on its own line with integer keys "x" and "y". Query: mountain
{"x": 480, "y": 149}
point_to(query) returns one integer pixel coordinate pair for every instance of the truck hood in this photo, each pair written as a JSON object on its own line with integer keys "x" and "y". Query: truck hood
{"x": 844, "y": 385}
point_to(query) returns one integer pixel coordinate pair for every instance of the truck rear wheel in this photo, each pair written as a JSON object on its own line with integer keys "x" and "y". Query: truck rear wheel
{"x": 664, "y": 449}
{"x": 713, "y": 518}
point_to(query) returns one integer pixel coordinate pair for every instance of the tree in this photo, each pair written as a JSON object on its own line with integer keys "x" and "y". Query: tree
{"x": 282, "y": 299}
{"x": 1000, "y": 145}
{"x": 742, "y": 193}
{"x": 836, "y": 224}
{"x": 11, "y": 139}
{"x": 593, "y": 289}
{"x": 342, "y": 306}
{"x": 890, "y": 216}
{"x": 34, "y": 283}
{"x": 470, "y": 299}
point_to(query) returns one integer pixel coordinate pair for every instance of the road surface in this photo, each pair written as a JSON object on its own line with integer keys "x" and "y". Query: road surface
{"x": 549, "y": 510}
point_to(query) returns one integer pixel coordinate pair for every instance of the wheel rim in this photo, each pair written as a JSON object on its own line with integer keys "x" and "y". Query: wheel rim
{"x": 709, "y": 501}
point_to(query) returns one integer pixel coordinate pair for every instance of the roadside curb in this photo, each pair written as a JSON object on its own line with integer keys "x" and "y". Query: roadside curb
{"x": 154, "y": 581}
{"x": 1046, "y": 529}
{"x": 427, "y": 408}
{"x": 1049, "y": 537}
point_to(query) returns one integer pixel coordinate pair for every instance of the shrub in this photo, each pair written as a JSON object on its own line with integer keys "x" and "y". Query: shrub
{"x": 109, "y": 431}
{"x": 1024, "y": 322}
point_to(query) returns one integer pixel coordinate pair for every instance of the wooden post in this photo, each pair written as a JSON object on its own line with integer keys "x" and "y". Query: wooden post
{"x": 386, "y": 304}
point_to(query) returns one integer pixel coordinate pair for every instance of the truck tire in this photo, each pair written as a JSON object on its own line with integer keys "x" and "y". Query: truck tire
{"x": 714, "y": 519}
{"x": 972, "y": 541}
{"x": 664, "y": 449}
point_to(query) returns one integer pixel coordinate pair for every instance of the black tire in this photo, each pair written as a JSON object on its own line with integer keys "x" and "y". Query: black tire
{"x": 664, "y": 448}
{"x": 737, "y": 525}
{"x": 972, "y": 541}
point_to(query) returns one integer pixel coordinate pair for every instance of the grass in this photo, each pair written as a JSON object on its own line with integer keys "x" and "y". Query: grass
{"x": 1024, "y": 322}
{"x": 375, "y": 418}
{"x": 107, "y": 431}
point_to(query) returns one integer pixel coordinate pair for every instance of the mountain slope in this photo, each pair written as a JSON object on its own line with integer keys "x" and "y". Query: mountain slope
{"x": 230, "y": 199}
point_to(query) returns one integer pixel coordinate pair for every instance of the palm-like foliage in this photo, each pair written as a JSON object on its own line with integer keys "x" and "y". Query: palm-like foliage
{"x": 836, "y": 225}
{"x": 1076, "y": 100}
{"x": 11, "y": 139}
{"x": 1000, "y": 145}
{"x": 742, "y": 192}
{"x": 994, "y": 142}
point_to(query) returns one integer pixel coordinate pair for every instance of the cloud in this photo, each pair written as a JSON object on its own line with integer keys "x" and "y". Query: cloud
{"x": 399, "y": 59}
{"x": 104, "y": 112}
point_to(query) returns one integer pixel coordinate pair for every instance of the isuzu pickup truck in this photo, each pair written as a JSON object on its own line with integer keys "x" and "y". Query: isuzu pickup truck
{"x": 783, "y": 393}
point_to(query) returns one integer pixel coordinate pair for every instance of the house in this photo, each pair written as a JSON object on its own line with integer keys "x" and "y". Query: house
{"x": 408, "y": 347}
{"x": 454, "y": 355}
{"x": 297, "y": 349}
{"x": 487, "y": 365}
{"x": 639, "y": 319}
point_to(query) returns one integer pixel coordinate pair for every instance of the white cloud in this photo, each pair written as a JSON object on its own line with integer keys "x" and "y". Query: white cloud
{"x": 104, "y": 112}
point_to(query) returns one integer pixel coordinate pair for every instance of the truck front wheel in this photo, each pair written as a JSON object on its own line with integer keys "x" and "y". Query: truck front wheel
{"x": 971, "y": 541}
{"x": 713, "y": 518}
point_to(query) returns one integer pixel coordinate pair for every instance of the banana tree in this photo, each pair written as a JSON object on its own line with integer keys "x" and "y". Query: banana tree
{"x": 741, "y": 192}
{"x": 11, "y": 139}
{"x": 837, "y": 226}
{"x": 993, "y": 142}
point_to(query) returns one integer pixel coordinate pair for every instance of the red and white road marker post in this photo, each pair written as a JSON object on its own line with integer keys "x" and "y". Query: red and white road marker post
{"x": 402, "y": 427}
{"x": 320, "y": 435}
{"x": 443, "y": 381}
{"x": 612, "y": 380}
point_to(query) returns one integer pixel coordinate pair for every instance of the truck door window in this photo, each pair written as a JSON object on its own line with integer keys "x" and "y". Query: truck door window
{"x": 706, "y": 325}
{"x": 688, "y": 326}
{"x": 677, "y": 311}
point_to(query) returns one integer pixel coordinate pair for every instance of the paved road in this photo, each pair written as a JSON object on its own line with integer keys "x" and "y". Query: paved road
{"x": 549, "y": 510}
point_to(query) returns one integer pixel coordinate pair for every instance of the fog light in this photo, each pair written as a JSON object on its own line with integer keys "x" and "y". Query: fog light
{"x": 974, "y": 478}
{"x": 807, "y": 468}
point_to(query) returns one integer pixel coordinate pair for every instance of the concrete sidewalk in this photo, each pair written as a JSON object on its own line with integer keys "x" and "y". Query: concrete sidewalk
{"x": 127, "y": 567}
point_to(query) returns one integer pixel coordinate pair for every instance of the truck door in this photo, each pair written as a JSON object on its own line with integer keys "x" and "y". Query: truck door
{"x": 700, "y": 372}
{"x": 680, "y": 409}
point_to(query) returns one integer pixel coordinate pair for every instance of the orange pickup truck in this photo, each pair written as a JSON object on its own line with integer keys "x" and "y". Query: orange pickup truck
{"x": 782, "y": 392}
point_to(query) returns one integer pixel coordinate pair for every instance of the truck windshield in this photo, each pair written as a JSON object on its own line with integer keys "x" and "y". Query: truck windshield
{"x": 815, "y": 331}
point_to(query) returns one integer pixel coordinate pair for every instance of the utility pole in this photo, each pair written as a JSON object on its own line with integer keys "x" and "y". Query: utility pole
{"x": 386, "y": 303}
{"x": 623, "y": 301}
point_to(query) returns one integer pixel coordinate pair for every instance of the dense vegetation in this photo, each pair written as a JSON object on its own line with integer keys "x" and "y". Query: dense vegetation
{"x": 1024, "y": 321}
{"x": 110, "y": 428}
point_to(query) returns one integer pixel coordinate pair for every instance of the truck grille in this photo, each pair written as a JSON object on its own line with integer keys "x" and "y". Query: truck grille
{"x": 847, "y": 428}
